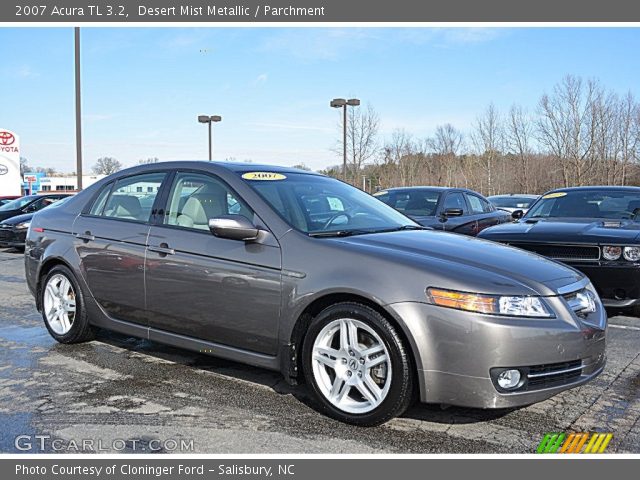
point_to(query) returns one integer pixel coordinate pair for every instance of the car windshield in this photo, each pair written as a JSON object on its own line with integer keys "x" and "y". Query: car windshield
{"x": 415, "y": 201}
{"x": 601, "y": 203}
{"x": 512, "y": 202}
{"x": 17, "y": 203}
{"x": 322, "y": 206}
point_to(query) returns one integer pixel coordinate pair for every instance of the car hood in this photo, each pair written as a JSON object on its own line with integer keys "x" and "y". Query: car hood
{"x": 18, "y": 219}
{"x": 591, "y": 231}
{"x": 465, "y": 260}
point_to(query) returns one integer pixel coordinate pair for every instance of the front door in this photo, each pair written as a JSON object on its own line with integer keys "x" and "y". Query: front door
{"x": 465, "y": 223}
{"x": 214, "y": 289}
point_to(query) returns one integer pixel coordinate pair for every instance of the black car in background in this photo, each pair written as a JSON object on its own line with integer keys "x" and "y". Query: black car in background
{"x": 453, "y": 209}
{"x": 593, "y": 229}
{"x": 29, "y": 204}
{"x": 13, "y": 231}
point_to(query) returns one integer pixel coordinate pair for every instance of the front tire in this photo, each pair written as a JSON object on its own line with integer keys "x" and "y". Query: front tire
{"x": 356, "y": 365}
{"x": 63, "y": 307}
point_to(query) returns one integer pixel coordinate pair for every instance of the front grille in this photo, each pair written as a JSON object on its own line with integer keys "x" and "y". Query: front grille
{"x": 562, "y": 252}
{"x": 553, "y": 375}
{"x": 5, "y": 233}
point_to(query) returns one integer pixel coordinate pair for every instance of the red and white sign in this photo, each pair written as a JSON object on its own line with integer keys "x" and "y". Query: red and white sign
{"x": 10, "y": 179}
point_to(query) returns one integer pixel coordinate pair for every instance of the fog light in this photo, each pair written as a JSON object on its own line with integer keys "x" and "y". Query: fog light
{"x": 509, "y": 379}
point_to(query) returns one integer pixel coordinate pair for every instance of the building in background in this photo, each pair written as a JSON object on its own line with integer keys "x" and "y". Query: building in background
{"x": 35, "y": 182}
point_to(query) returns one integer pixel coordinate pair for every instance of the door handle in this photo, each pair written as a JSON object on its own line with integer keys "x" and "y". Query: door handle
{"x": 163, "y": 249}
{"x": 86, "y": 236}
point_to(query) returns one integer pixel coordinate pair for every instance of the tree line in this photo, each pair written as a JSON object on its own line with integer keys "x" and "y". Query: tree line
{"x": 580, "y": 133}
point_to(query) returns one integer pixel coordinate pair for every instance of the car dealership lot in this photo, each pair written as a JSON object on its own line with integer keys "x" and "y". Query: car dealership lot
{"x": 120, "y": 393}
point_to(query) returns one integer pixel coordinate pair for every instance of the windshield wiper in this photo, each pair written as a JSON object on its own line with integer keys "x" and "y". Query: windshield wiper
{"x": 348, "y": 233}
{"x": 339, "y": 233}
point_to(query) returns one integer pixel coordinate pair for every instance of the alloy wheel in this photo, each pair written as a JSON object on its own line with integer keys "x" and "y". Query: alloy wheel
{"x": 59, "y": 304}
{"x": 351, "y": 366}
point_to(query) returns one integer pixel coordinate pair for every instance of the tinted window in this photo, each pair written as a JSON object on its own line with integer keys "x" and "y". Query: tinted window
{"x": 475, "y": 203}
{"x": 455, "y": 200}
{"x": 197, "y": 198}
{"x": 601, "y": 203}
{"x": 412, "y": 202}
{"x": 127, "y": 203}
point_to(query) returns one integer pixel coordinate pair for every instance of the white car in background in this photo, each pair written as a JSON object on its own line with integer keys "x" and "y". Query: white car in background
{"x": 513, "y": 201}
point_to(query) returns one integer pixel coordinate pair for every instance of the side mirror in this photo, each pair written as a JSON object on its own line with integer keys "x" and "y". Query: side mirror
{"x": 234, "y": 227}
{"x": 517, "y": 214}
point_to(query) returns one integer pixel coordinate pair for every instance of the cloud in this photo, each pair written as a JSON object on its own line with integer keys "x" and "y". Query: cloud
{"x": 260, "y": 79}
{"x": 450, "y": 36}
{"x": 318, "y": 44}
{"x": 24, "y": 71}
{"x": 98, "y": 117}
{"x": 289, "y": 126}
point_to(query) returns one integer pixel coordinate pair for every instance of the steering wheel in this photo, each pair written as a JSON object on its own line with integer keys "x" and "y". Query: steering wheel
{"x": 334, "y": 217}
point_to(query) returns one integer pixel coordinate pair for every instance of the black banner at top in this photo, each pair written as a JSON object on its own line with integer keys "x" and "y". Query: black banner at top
{"x": 262, "y": 11}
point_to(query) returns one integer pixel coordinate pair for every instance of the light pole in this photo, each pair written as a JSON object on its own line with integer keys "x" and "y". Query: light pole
{"x": 342, "y": 103}
{"x": 210, "y": 119}
{"x": 78, "y": 108}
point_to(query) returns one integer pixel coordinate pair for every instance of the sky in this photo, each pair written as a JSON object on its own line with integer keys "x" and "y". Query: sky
{"x": 144, "y": 87}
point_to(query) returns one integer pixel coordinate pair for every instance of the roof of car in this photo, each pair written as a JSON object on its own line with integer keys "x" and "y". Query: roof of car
{"x": 426, "y": 187}
{"x": 598, "y": 187}
{"x": 508, "y": 195}
{"x": 233, "y": 166}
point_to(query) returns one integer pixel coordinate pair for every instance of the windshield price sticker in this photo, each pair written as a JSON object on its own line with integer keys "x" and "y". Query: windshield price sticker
{"x": 555, "y": 195}
{"x": 263, "y": 176}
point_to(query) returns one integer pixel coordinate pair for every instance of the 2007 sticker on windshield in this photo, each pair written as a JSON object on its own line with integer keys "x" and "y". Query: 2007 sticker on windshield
{"x": 263, "y": 176}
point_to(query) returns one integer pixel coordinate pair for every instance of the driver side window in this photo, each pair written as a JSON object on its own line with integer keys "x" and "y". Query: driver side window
{"x": 455, "y": 200}
{"x": 197, "y": 198}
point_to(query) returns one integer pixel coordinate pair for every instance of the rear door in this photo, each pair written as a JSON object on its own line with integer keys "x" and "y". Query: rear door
{"x": 111, "y": 242}
{"x": 484, "y": 213}
{"x": 211, "y": 288}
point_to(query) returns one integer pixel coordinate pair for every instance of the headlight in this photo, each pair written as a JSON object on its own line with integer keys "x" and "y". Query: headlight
{"x": 517, "y": 306}
{"x": 23, "y": 225}
{"x": 632, "y": 253}
{"x": 611, "y": 253}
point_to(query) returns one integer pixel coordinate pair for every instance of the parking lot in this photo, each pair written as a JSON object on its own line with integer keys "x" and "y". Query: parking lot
{"x": 118, "y": 391}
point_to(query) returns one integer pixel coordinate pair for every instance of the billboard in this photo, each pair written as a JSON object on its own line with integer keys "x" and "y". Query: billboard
{"x": 10, "y": 180}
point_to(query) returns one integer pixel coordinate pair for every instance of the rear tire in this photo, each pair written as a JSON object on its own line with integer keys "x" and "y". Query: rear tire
{"x": 63, "y": 307}
{"x": 357, "y": 366}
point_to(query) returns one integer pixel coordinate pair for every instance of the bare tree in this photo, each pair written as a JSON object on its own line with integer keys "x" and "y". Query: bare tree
{"x": 446, "y": 145}
{"x": 518, "y": 139}
{"x": 568, "y": 126}
{"x": 106, "y": 166}
{"x": 488, "y": 139}
{"x": 362, "y": 132}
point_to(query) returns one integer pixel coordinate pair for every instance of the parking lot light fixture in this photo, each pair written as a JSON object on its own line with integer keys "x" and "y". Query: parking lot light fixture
{"x": 209, "y": 119}
{"x": 342, "y": 103}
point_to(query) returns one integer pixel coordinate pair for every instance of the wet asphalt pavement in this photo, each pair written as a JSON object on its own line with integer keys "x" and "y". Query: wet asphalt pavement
{"x": 123, "y": 394}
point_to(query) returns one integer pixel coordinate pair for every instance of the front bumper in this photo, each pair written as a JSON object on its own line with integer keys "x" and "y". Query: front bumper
{"x": 617, "y": 283}
{"x": 12, "y": 237}
{"x": 456, "y": 351}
